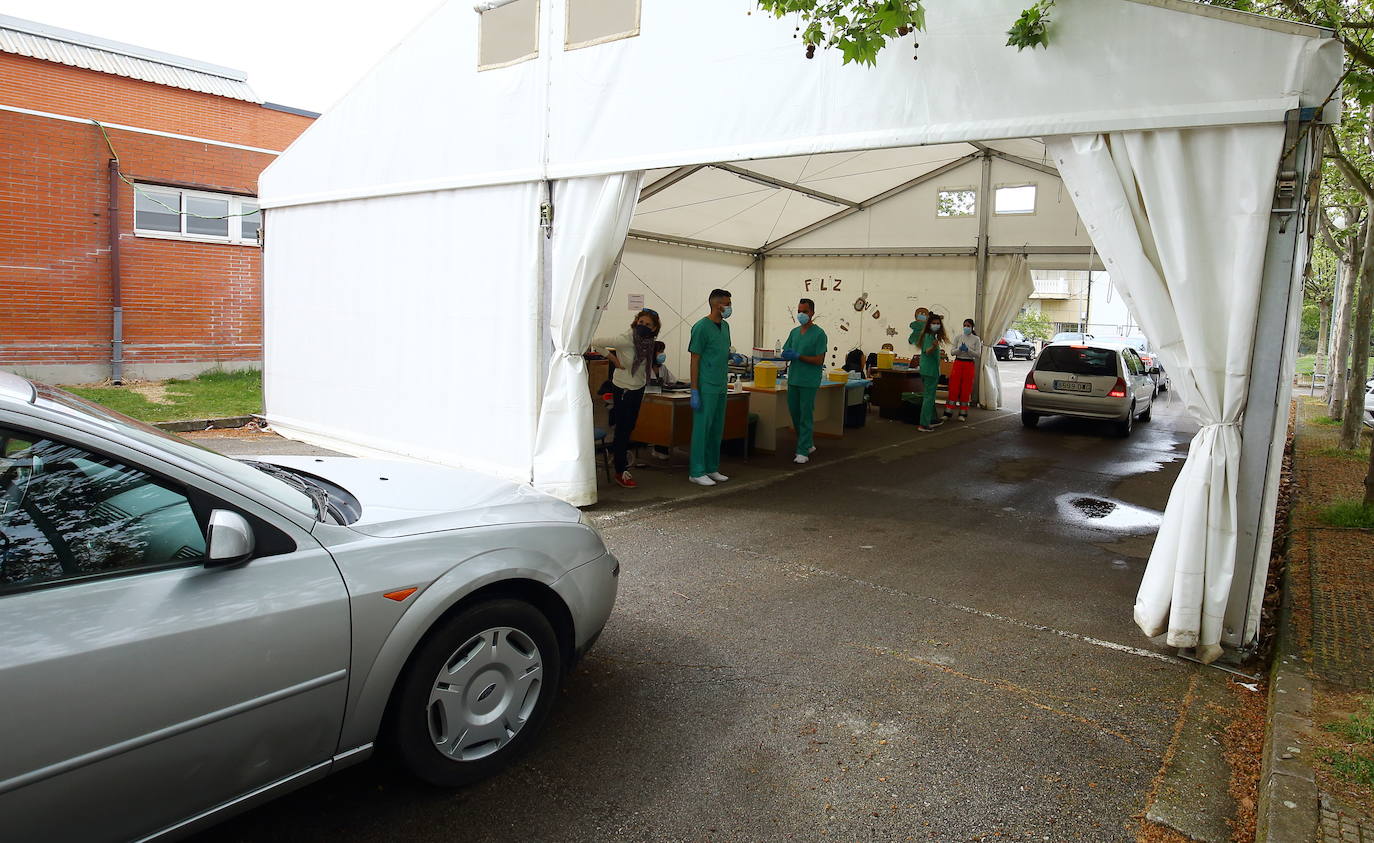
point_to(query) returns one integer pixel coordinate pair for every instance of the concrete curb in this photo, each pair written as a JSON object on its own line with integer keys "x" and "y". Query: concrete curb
{"x": 204, "y": 424}
{"x": 1289, "y": 808}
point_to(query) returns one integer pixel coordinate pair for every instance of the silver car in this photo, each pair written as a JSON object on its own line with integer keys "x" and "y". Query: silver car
{"x": 1088, "y": 380}
{"x": 184, "y": 635}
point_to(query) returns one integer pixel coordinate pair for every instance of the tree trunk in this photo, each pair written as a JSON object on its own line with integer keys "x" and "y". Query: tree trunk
{"x": 1340, "y": 356}
{"x": 1324, "y": 332}
{"x": 1359, "y": 352}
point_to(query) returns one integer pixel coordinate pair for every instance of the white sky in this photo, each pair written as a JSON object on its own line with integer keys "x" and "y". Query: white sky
{"x": 302, "y": 53}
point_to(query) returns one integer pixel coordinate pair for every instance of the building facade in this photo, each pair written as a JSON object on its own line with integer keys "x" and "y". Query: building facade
{"x": 129, "y": 233}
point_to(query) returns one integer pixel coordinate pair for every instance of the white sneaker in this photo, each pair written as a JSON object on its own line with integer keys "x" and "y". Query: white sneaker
{"x": 718, "y": 477}
{"x": 812, "y": 451}
{"x": 659, "y": 455}
{"x": 801, "y": 458}
{"x": 703, "y": 480}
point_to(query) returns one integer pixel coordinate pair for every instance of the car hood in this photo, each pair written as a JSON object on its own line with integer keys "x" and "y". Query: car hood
{"x": 408, "y": 498}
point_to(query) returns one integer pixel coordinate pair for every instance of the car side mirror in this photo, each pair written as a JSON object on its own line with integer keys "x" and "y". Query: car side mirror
{"x": 228, "y": 540}
{"x": 1154, "y": 370}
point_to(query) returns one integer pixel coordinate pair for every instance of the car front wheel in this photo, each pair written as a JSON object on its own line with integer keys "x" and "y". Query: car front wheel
{"x": 476, "y": 692}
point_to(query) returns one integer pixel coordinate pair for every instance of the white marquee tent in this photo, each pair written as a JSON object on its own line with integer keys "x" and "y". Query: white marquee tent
{"x": 441, "y": 244}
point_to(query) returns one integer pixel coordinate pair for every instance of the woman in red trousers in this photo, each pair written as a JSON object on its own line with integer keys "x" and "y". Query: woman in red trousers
{"x": 968, "y": 353}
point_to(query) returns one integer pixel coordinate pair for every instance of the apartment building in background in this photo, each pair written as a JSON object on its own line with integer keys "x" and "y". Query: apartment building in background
{"x": 129, "y": 225}
{"x": 1081, "y": 300}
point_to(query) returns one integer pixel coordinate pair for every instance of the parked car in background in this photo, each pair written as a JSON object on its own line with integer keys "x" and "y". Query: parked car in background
{"x": 1088, "y": 380}
{"x": 1071, "y": 336}
{"x": 1369, "y": 404}
{"x": 187, "y": 635}
{"x": 1153, "y": 364}
{"x": 1012, "y": 345}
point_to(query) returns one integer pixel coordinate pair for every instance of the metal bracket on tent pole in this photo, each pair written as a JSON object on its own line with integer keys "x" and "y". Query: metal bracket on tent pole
{"x": 1016, "y": 159}
{"x": 1286, "y": 188}
{"x": 546, "y": 217}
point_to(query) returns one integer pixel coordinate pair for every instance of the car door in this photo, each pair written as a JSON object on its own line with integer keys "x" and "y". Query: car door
{"x": 142, "y": 687}
{"x": 1142, "y": 386}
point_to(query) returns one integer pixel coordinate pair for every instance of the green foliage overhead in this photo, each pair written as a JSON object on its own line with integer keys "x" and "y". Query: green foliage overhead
{"x": 860, "y": 29}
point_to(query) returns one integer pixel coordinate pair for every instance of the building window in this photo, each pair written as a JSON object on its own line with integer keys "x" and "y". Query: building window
{"x": 598, "y": 21}
{"x": 508, "y": 33}
{"x": 176, "y": 214}
{"x": 957, "y": 202}
{"x": 1014, "y": 199}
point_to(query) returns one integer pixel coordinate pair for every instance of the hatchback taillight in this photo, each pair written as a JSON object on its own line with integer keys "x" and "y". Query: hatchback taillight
{"x": 1030, "y": 380}
{"x": 1118, "y": 391}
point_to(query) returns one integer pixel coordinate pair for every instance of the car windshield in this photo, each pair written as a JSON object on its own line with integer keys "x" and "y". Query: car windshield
{"x": 212, "y": 461}
{"x": 1078, "y": 360}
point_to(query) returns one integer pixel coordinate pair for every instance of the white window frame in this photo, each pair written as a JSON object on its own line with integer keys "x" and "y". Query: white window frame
{"x": 492, "y": 5}
{"x": 968, "y": 216}
{"x": 236, "y": 202}
{"x": 569, "y": 44}
{"x": 1035, "y": 206}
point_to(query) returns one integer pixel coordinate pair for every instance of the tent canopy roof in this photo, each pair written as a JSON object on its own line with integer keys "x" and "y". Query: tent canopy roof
{"x": 705, "y": 82}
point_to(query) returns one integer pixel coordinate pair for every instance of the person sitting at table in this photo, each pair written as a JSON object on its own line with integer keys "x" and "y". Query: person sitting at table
{"x": 871, "y": 366}
{"x": 632, "y": 355}
{"x": 854, "y": 361}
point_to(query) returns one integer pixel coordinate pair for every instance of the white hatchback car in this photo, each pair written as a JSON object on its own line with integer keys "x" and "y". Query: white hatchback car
{"x": 1088, "y": 380}
{"x": 186, "y": 635}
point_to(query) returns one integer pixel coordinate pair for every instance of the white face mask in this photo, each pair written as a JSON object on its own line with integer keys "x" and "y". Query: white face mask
{"x": 725, "y": 314}
{"x": 935, "y": 326}
{"x": 968, "y": 329}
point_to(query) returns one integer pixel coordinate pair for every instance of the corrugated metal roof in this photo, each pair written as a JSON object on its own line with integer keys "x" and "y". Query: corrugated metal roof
{"x": 75, "y": 49}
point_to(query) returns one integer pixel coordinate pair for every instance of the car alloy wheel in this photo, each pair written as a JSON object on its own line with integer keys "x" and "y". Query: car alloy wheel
{"x": 476, "y": 692}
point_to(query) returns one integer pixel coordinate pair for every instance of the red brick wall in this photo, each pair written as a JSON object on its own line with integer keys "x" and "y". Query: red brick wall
{"x": 183, "y": 301}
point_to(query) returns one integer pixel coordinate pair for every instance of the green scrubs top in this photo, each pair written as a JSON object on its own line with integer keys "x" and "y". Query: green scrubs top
{"x": 930, "y": 356}
{"x": 712, "y": 342}
{"x": 808, "y": 344}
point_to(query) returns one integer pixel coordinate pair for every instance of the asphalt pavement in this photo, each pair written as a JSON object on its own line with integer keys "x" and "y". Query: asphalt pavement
{"x": 929, "y": 641}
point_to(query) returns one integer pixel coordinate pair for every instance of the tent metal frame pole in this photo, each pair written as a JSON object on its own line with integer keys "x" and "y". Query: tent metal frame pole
{"x": 786, "y": 185}
{"x": 687, "y": 241}
{"x": 769, "y": 248}
{"x": 1017, "y": 159}
{"x": 880, "y": 252}
{"x": 984, "y": 220}
{"x": 759, "y": 281}
{"x": 668, "y": 181}
{"x": 1264, "y": 427}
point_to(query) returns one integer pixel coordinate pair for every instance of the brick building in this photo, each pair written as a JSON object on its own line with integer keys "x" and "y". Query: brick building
{"x": 181, "y": 275}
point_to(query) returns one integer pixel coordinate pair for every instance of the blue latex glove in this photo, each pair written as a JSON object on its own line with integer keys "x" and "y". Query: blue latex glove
{"x": 789, "y": 354}
{"x": 696, "y": 399}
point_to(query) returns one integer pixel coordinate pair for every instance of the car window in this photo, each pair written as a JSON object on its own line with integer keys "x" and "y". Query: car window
{"x": 1132, "y": 362}
{"x": 67, "y": 513}
{"x": 1075, "y": 360}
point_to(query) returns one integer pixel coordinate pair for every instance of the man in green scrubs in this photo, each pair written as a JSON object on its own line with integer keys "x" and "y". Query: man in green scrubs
{"x": 710, "y": 350}
{"x": 805, "y": 352}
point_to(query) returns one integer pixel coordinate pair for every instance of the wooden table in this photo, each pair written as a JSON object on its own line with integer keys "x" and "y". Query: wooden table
{"x": 889, "y": 384}
{"x": 665, "y": 418}
{"x": 770, "y": 405}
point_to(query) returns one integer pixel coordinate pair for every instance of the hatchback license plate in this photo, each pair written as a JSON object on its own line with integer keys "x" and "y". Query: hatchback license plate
{"x": 1073, "y": 386}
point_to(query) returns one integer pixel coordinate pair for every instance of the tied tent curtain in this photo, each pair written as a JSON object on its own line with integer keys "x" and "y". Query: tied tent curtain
{"x": 1181, "y": 218}
{"x": 1004, "y": 301}
{"x": 591, "y": 219}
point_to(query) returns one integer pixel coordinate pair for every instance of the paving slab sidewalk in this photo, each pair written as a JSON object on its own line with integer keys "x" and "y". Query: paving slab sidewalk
{"x": 1325, "y": 647}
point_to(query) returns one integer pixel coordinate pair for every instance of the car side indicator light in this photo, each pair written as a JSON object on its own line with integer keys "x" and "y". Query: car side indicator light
{"x": 401, "y": 595}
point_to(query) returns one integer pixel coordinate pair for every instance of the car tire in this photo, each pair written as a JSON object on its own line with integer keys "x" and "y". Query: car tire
{"x": 491, "y": 671}
{"x": 1125, "y": 426}
{"x": 1029, "y": 419}
{"x": 1145, "y": 416}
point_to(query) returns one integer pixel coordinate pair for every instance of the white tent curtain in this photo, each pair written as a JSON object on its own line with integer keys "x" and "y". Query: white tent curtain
{"x": 591, "y": 219}
{"x": 1004, "y": 300}
{"x": 1181, "y": 218}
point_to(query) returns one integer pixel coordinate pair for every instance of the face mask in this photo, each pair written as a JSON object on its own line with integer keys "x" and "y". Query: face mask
{"x": 921, "y": 318}
{"x": 644, "y": 331}
{"x": 968, "y": 330}
{"x": 725, "y": 314}
{"x": 660, "y": 359}
{"x": 935, "y": 326}
{"x": 802, "y": 318}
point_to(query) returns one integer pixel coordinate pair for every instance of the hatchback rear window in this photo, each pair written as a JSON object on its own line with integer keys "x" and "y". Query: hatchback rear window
{"x": 1078, "y": 361}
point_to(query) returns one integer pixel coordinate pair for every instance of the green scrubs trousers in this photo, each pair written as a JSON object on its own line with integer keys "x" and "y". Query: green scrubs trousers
{"x": 708, "y": 426}
{"x": 801, "y": 404}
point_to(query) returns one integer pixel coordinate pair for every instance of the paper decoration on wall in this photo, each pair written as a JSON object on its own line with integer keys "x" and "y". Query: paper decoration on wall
{"x": 824, "y": 285}
{"x": 844, "y": 324}
{"x": 636, "y": 301}
{"x": 861, "y": 303}
{"x": 891, "y": 331}
{"x": 877, "y": 313}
